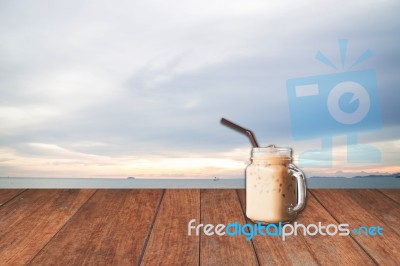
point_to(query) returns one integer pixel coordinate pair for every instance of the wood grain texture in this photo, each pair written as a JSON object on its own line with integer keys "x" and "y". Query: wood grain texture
{"x": 149, "y": 227}
{"x": 169, "y": 243}
{"x": 110, "y": 229}
{"x": 8, "y": 194}
{"x": 379, "y": 206}
{"x": 309, "y": 250}
{"x": 366, "y": 208}
{"x": 275, "y": 251}
{"x": 223, "y": 207}
{"x": 29, "y": 221}
{"x": 394, "y": 194}
{"x": 331, "y": 250}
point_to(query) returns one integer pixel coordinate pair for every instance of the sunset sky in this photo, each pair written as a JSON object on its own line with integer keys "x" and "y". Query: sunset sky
{"x": 137, "y": 88}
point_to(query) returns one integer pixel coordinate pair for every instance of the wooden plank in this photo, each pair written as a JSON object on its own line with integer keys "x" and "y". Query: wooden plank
{"x": 223, "y": 207}
{"x": 110, "y": 229}
{"x": 331, "y": 250}
{"x": 378, "y": 205}
{"x": 274, "y": 251}
{"x": 366, "y": 208}
{"x": 169, "y": 243}
{"x": 8, "y": 194}
{"x": 30, "y": 220}
{"x": 394, "y": 194}
{"x": 309, "y": 250}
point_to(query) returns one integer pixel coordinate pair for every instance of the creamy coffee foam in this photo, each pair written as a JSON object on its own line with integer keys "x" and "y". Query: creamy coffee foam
{"x": 270, "y": 190}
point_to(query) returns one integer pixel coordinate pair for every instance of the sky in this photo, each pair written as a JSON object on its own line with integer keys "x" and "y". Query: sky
{"x": 137, "y": 88}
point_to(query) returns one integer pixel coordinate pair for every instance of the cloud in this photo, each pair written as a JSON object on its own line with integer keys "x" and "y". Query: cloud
{"x": 142, "y": 78}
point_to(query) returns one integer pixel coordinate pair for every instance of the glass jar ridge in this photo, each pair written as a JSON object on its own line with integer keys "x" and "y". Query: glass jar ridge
{"x": 272, "y": 155}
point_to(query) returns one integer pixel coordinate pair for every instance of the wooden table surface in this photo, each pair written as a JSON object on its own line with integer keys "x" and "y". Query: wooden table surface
{"x": 150, "y": 227}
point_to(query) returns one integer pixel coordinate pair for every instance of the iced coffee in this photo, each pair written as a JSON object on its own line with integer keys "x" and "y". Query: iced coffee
{"x": 273, "y": 185}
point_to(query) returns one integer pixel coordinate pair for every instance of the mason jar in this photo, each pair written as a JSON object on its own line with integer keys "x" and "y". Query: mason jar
{"x": 275, "y": 187}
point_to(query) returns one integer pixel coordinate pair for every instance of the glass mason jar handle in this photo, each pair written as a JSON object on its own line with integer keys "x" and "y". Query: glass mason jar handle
{"x": 301, "y": 188}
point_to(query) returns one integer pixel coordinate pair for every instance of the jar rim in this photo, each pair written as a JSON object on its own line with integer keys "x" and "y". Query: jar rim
{"x": 273, "y": 151}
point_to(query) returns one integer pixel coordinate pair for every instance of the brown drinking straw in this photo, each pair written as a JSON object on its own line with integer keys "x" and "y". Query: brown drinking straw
{"x": 242, "y": 130}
